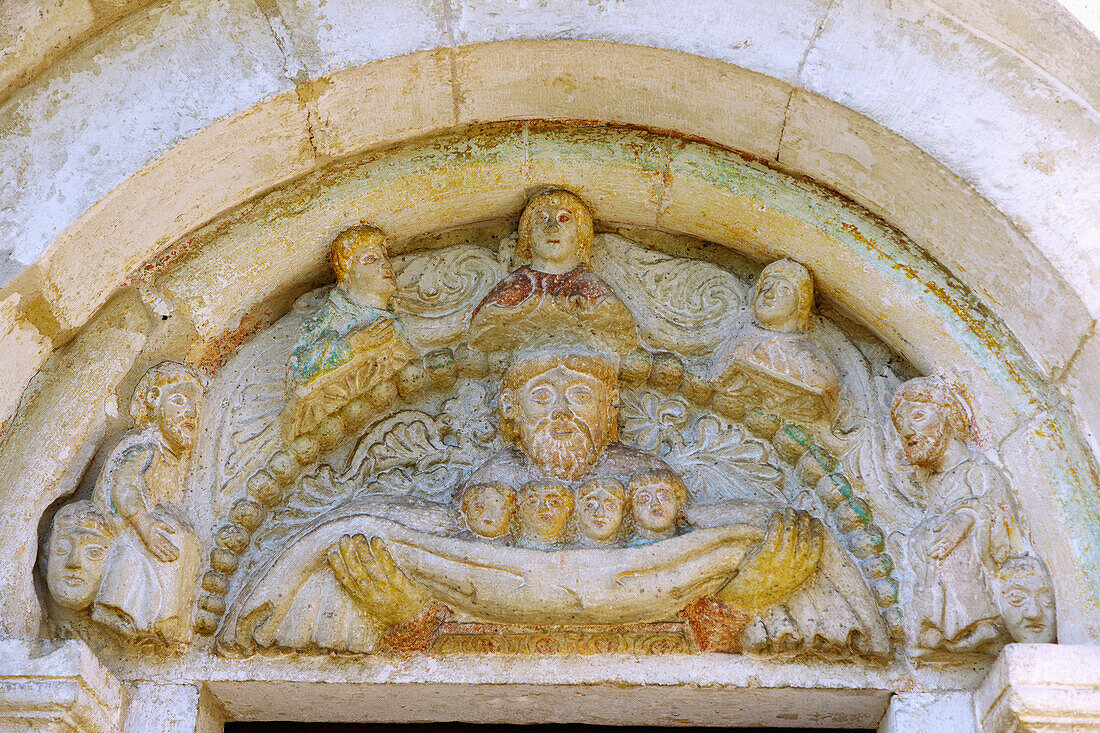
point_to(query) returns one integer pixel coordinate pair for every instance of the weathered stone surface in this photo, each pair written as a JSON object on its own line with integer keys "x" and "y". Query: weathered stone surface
{"x": 155, "y": 707}
{"x": 1029, "y": 146}
{"x": 770, "y": 40}
{"x": 929, "y": 712}
{"x": 1036, "y": 688}
{"x": 131, "y": 226}
{"x": 353, "y": 109}
{"x": 327, "y": 36}
{"x": 54, "y": 685}
{"x": 24, "y": 350}
{"x": 65, "y": 144}
{"x": 71, "y": 398}
{"x": 942, "y": 214}
{"x": 640, "y": 86}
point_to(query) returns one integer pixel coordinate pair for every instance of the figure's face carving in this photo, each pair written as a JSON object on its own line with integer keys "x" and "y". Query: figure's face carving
{"x": 562, "y": 417}
{"x": 370, "y": 271}
{"x": 489, "y": 512}
{"x": 74, "y": 570}
{"x": 178, "y": 414}
{"x": 655, "y": 506}
{"x": 544, "y": 511}
{"x": 555, "y": 237}
{"x": 924, "y": 431}
{"x": 600, "y": 515}
{"x": 776, "y": 302}
{"x": 1027, "y": 605}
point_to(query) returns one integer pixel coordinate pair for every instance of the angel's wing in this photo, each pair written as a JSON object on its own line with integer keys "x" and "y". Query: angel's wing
{"x": 683, "y": 305}
{"x": 439, "y": 289}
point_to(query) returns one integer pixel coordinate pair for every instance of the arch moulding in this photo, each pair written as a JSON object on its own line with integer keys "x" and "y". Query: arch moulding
{"x": 208, "y": 245}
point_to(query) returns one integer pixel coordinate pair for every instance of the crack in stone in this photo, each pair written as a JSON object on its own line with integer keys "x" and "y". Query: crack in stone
{"x": 1086, "y": 336}
{"x": 294, "y": 70}
{"x": 798, "y": 73}
{"x": 452, "y": 55}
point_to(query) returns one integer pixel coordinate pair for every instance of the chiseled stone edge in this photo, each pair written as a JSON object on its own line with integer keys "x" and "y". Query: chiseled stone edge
{"x": 1041, "y": 687}
{"x": 57, "y": 683}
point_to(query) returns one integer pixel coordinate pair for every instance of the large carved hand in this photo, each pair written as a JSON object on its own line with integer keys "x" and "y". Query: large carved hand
{"x": 778, "y": 565}
{"x": 154, "y": 534}
{"x": 366, "y": 570}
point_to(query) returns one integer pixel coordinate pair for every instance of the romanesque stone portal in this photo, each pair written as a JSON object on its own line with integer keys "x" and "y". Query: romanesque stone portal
{"x": 561, "y": 442}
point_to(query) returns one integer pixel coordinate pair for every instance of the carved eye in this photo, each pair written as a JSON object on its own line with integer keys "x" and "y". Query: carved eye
{"x": 580, "y": 395}
{"x": 563, "y": 216}
{"x": 553, "y": 502}
{"x": 95, "y": 552}
{"x": 784, "y": 289}
{"x": 532, "y": 500}
{"x": 591, "y": 505}
{"x": 542, "y": 395}
{"x": 664, "y": 495}
{"x": 178, "y": 400}
{"x": 1017, "y": 597}
{"x": 642, "y": 497}
{"x": 368, "y": 259}
{"x": 62, "y": 548}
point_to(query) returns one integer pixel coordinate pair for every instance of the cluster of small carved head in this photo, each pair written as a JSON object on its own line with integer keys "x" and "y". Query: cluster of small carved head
{"x": 549, "y": 514}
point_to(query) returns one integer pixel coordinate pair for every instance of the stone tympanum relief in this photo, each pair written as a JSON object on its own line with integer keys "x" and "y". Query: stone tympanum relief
{"x": 129, "y": 556}
{"x": 565, "y": 441}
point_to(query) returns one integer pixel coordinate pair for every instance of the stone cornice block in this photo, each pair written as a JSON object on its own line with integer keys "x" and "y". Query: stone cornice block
{"x": 1041, "y": 687}
{"x": 57, "y": 685}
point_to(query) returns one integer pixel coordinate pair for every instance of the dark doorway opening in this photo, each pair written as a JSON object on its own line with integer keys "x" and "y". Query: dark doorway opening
{"x": 260, "y": 727}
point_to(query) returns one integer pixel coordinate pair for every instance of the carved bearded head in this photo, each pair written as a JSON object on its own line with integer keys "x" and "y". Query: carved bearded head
{"x": 170, "y": 395}
{"x": 562, "y": 408}
{"x": 77, "y": 554}
{"x": 928, "y": 412}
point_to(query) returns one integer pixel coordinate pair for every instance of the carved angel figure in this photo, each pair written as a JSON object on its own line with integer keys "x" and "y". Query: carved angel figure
{"x": 130, "y": 555}
{"x": 353, "y": 341}
{"x": 772, "y": 364}
{"x": 558, "y": 291}
{"x": 968, "y": 528}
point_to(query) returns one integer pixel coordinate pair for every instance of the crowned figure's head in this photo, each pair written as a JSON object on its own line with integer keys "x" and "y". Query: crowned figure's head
{"x": 561, "y": 407}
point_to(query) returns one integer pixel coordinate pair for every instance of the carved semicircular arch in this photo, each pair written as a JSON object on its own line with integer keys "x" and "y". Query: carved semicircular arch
{"x": 630, "y": 178}
{"x": 634, "y": 180}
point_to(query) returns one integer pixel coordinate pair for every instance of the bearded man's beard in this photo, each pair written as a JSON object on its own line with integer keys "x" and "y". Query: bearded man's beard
{"x": 568, "y": 458}
{"x": 926, "y": 450}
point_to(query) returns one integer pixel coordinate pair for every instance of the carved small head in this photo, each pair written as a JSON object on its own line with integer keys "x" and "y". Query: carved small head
{"x": 170, "y": 395}
{"x": 657, "y": 498}
{"x": 488, "y": 509}
{"x": 1027, "y": 600}
{"x": 784, "y": 296}
{"x": 563, "y": 408}
{"x": 601, "y": 506}
{"x": 362, "y": 265}
{"x": 545, "y": 508}
{"x": 77, "y": 554}
{"x": 928, "y": 413}
{"x": 555, "y": 232}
